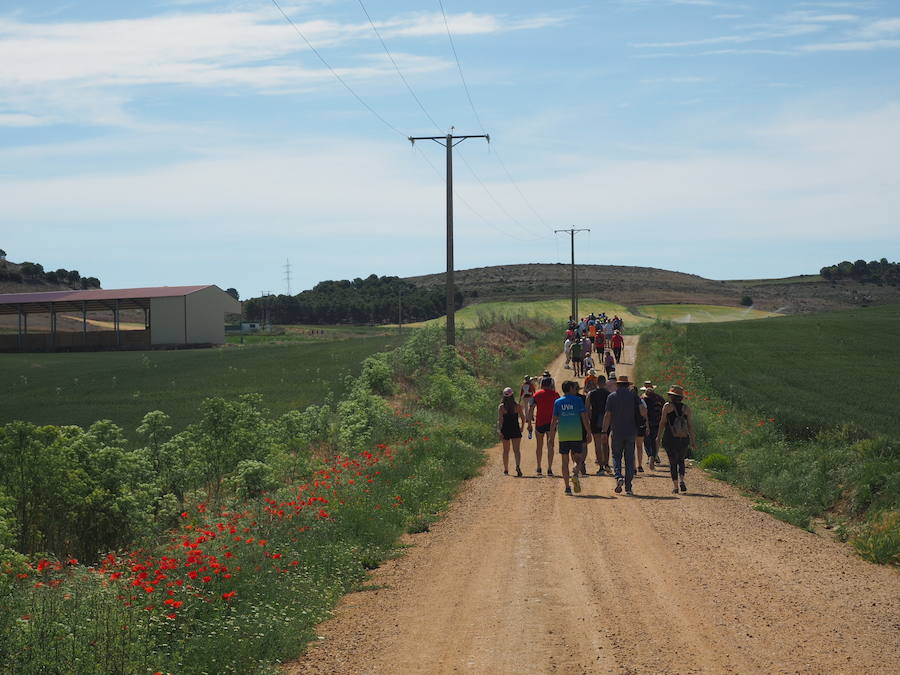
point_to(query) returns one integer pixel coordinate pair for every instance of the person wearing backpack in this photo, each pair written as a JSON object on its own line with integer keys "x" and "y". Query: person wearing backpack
{"x": 575, "y": 351}
{"x": 676, "y": 433}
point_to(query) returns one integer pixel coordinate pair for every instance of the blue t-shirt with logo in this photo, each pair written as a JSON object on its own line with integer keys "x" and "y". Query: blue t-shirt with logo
{"x": 568, "y": 409}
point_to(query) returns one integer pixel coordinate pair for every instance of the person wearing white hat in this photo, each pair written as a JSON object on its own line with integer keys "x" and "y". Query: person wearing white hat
{"x": 510, "y": 420}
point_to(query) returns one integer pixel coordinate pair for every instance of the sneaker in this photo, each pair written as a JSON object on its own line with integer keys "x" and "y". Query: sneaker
{"x": 619, "y": 484}
{"x": 629, "y": 492}
{"x": 640, "y": 469}
{"x": 568, "y": 490}
{"x": 538, "y": 472}
{"x": 549, "y": 472}
{"x": 674, "y": 491}
{"x": 518, "y": 472}
{"x": 575, "y": 482}
{"x": 683, "y": 487}
{"x": 505, "y": 472}
{"x": 600, "y": 471}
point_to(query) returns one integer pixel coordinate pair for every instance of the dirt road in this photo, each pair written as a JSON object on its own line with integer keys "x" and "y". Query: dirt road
{"x": 520, "y": 578}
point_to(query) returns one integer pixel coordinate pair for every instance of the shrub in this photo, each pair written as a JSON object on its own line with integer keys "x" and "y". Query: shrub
{"x": 746, "y": 301}
{"x": 717, "y": 462}
{"x": 251, "y": 479}
{"x": 879, "y": 542}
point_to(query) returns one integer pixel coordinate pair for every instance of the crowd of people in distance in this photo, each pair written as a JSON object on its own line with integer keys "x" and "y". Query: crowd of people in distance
{"x": 623, "y": 423}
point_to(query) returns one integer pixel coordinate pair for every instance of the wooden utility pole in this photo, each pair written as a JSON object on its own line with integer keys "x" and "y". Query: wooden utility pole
{"x": 572, "y": 232}
{"x": 449, "y": 141}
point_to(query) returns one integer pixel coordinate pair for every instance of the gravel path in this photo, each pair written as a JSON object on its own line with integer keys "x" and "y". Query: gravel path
{"x": 520, "y": 578}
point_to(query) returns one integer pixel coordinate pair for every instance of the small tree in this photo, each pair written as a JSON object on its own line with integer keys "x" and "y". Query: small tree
{"x": 746, "y": 301}
{"x": 233, "y": 293}
{"x": 2, "y": 254}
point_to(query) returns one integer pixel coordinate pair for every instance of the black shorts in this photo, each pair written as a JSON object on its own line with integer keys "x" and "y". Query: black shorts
{"x": 597, "y": 428}
{"x": 543, "y": 428}
{"x": 575, "y": 446}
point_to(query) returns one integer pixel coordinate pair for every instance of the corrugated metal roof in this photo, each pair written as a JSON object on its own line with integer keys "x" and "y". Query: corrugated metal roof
{"x": 94, "y": 299}
{"x": 99, "y": 294}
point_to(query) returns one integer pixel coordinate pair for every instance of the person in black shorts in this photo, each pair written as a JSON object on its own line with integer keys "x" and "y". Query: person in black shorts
{"x": 596, "y": 405}
{"x": 544, "y": 399}
{"x": 510, "y": 420}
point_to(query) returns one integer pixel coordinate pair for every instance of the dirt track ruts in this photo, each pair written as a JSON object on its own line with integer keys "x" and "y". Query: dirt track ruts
{"x": 520, "y": 578}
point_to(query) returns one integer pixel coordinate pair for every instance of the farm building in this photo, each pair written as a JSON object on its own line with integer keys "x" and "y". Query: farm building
{"x": 168, "y": 316}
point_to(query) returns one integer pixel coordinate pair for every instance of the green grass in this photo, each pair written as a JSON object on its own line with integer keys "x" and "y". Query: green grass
{"x": 556, "y": 310}
{"x": 80, "y": 388}
{"x": 702, "y": 313}
{"x": 799, "y": 279}
{"x": 811, "y": 371}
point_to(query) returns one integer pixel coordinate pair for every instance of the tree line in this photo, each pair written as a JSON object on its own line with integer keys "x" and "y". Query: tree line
{"x": 371, "y": 300}
{"x": 30, "y": 272}
{"x": 874, "y": 271}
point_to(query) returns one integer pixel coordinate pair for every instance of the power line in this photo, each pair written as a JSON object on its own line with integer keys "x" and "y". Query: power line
{"x": 496, "y": 152}
{"x": 396, "y": 67}
{"x": 335, "y": 73}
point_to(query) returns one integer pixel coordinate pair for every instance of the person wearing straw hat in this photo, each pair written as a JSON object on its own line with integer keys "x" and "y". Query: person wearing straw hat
{"x": 676, "y": 433}
{"x": 621, "y": 416}
{"x": 590, "y": 382}
{"x": 510, "y": 420}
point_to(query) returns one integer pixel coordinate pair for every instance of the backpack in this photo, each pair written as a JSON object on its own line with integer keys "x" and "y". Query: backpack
{"x": 679, "y": 425}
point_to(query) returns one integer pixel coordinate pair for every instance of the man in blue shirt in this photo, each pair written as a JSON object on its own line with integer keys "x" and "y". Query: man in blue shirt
{"x": 623, "y": 407}
{"x": 571, "y": 424}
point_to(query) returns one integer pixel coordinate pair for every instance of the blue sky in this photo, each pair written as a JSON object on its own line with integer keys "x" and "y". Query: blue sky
{"x": 180, "y": 141}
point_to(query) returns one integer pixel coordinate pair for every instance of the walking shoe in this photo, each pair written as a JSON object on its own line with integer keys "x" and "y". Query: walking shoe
{"x": 518, "y": 472}
{"x": 675, "y": 491}
{"x": 600, "y": 471}
{"x": 549, "y": 472}
{"x": 619, "y": 484}
{"x": 575, "y": 482}
{"x": 568, "y": 490}
{"x": 683, "y": 487}
{"x": 538, "y": 472}
{"x": 629, "y": 492}
{"x": 505, "y": 472}
{"x": 640, "y": 469}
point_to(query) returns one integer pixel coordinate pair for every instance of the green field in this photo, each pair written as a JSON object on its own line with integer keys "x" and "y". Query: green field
{"x": 80, "y": 388}
{"x": 808, "y": 371}
{"x": 558, "y": 310}
{"x": 702, "y": 313}
{"x": 799, "y": 279}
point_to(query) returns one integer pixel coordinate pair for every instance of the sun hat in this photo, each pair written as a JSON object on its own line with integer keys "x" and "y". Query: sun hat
{"x": 676, "y": 390}
{"x": 648, "y": 384}
{"x": 593, "y": 371}
{"x": 623, "y": 379}
{"x": 508, "y": 391}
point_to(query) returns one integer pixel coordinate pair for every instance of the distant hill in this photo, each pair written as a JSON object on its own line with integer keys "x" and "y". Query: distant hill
{"x": 632, "y": 286}
{"x": 29, "y": 277}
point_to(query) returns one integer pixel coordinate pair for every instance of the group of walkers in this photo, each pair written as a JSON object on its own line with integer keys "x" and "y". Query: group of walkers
{"x": 594, "y": 335}
{"x": 621, "y": 422}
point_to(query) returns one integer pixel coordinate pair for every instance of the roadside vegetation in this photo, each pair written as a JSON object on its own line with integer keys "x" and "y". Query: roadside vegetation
{"x": 774, "y": 419}
{"x": 220, "y": 547}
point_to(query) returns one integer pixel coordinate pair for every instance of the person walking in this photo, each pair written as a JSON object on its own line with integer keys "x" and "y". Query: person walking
{"x": 590, "y": 380}
{"x": 576, "y": 358}
{"x": 600, "y": 343}
{"x": 544, "y": 399}
{"x": 570, "y": 423}
{"x": 620, "y": 418}
{"x": 654, "y": 403}
{"x": 567, "y": 350}
{"x": 526, "y": 400}
{"x": 617, "y": 343}
{"x": 596, "y": 408}
{"x": 609, "y": 364}
{"x": 510, "y": 420}
{"x": 676, "y": 433}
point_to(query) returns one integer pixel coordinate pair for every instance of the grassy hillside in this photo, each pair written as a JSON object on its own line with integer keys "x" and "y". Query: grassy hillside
{"x": 808, "y": 372}
{"x": 633, "y": 286}
{"x": 80, "y": 388}
{"x": 558, "y": 310}
{"x": 702, "y": 313}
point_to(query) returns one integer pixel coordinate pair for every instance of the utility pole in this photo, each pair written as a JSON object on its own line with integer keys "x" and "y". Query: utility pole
{"x": 572, "y": 232}
{"x": 287, "y": 274}
{"x": 449, "y": 141}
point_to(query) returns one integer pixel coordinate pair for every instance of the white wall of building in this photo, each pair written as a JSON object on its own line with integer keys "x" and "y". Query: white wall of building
{"x": 167, "y": 321}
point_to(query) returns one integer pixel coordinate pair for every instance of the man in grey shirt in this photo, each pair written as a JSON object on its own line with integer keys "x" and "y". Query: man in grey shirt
{"x": 622, "y": 409}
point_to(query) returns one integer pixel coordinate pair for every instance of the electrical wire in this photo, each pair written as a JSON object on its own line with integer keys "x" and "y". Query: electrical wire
{"x": 335, "y": 73}
{"x": 396, "y": 67}
{"x": 495, "y": 152}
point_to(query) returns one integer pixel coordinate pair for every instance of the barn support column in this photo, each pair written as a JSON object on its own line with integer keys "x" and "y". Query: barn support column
{"x": 84, "y": 323}
{"x": 52, "y": 328}
{"x": 19, "y": 327}
{"x": 116, "y": 319}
